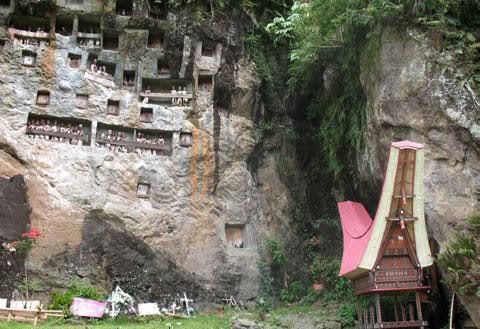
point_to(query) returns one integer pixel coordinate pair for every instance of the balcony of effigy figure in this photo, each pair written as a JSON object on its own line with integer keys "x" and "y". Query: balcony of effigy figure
{"x": 153, "y": 142}
{"x": 64, "y": 26}
{"x": 29, "y": 31}
{"x": 7, "y": 7}
{"x": 86, "y": 6}
{"x": 61, "y": 130}
{"x": 173, "y": 92}
{"x": 89, "y": 32}
{"x": 114, "y": 138}
{"x": 101, "y": 72}
{"x": 158, "y": 9}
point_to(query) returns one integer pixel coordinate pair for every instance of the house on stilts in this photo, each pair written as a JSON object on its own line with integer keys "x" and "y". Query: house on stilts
{"x": 387, "y": 258}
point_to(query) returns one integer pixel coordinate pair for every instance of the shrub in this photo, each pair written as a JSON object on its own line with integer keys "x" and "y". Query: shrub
{"x": 461, "y": 259}
{"x": 63, "y": 301}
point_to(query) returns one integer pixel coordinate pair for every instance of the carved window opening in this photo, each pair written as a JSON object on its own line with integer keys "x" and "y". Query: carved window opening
{"x": 186, "y": 139}
{"x": 163, "y": 67}
{"x": 110, "y": 41}
{"x": 64, "y": 25}
{"x": 153, "y": 142}
{"x": 143, "y": 190}
{"x": 31, "y": 24}
{"x": 124, "y": 7}
{"x": 81, "y": 101}
{"x": 129, "y": 78}
{"x": 155, "y": 39}
{"x": 113, "y": 107}
{"x": 205, "y": 83}
{"x": 74, "y": 61}
{"x": 74, "y": 2}
{"x": 89, "y": 24}
{"x": 146, "y": 114}
{"x": 62, "y": 130}
{"x": 158, "y": 9}
{"x": 29, "y": 58}
{"x": 235, "y": 234}
{"x": 43, "y": 97}
{"x": 114, "y": 138}
{"x": 208, "y": 51}
{"x": 108, "y": 67}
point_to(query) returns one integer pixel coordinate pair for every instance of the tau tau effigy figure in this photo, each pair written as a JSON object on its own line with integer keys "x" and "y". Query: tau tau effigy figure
{"x": 388, "y": 257}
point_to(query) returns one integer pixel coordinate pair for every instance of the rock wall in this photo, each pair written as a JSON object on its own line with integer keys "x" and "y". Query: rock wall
{"x": 411, "y": 97}
{"x": 84, "y": 197}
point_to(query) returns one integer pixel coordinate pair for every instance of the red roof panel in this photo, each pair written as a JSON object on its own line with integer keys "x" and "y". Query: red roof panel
{"x": 356, "y": 227}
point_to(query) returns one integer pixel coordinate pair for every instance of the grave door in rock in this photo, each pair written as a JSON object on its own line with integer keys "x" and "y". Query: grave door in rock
{"x": 146, "y": 114}
{"x": 143, "y": 190}
{"x": 234, "y": 234}
{"x": 43, "y": 97}
{"x": 81, "y": 101}
{"x": 28, "y": 58}
{"x": 113, "y": 107}
{"x": 205, "y": 84}
{"x": 74, "y": 61}
{"x": 390, "y": 255}
{"x": 186, "y": 139}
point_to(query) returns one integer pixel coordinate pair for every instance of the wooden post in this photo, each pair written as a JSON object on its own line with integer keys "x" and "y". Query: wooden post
{"x": 395, "y": 305}
{"x": 404, "y": 316}
{"x": 379, "y": 310}
{"x": 410, "y": 312}
{"x": 359, "y": 315}
{"x": 419, "y": 307}
{"x": 365, "y": 318}
{"x": 372, "y": 316}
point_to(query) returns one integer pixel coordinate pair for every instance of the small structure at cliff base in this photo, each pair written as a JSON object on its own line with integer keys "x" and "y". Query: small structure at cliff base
{"x": 387, "y": 257}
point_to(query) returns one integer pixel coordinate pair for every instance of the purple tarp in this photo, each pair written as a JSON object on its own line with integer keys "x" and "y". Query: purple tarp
{"x": 88, "y": 308}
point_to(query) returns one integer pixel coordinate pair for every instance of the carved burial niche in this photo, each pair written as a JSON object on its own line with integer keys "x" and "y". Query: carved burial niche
{"x": 4, "y": 3}
{"x": 110, "y": 41}
{"x": 205, "y": 83}
{"x": 89, "y": 24}
{"x": 124, "y": 7}
{"x": 143, "y": 190}
{"x": 155, "y": 39}
{"x": 129, "y": 78}
{"x": 74, "y": 60}
{"x": 162, "y": 67}
{"x": 186, "y": 139}
{"x": 113, "y": 107}
{"x": 81, "y": 101}
{"x": 146, "y": 114}
{"x": 158, "y": 9}
{"x": 2, "y": 44}
{"x": 43, "y": 97}
{"x": 235, "y": 234}
{"x": 64, "y": 25}
{"x": 110, "y": 68}
{"x": 29, "y": 58}
{"x": 208, "y": 48}
{"x": 74, "y": 2}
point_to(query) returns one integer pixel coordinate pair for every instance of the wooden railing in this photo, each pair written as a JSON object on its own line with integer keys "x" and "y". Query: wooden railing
{"x": 165, "y": 95}
{"x": 29, "y": 34}
{"x": 132, "y": 145}
{"x": 85, "y": 137}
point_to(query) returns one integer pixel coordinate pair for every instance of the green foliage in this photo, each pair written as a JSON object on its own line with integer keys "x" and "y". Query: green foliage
{"x": 347, "y": 314}
{"x": 24, "y": 246}
{"x": 276, "y": 252}
{"x": 461, "y": 259}
{"x": 63, "y": 301}
{"x": 325, "y": 270}
{"x": 265, "y": 300}
{"x": 294, "y": 292}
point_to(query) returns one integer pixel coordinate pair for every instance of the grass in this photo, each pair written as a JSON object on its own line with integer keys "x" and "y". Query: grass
{"x": 199, "y": 322}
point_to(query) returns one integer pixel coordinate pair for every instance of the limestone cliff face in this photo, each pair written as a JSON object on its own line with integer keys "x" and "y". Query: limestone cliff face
{"x": 410, "y": 97}
{"x": 84, "y": 198}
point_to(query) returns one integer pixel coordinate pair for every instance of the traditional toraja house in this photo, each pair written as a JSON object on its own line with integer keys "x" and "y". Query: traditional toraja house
{"x": 386, "y": 258}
